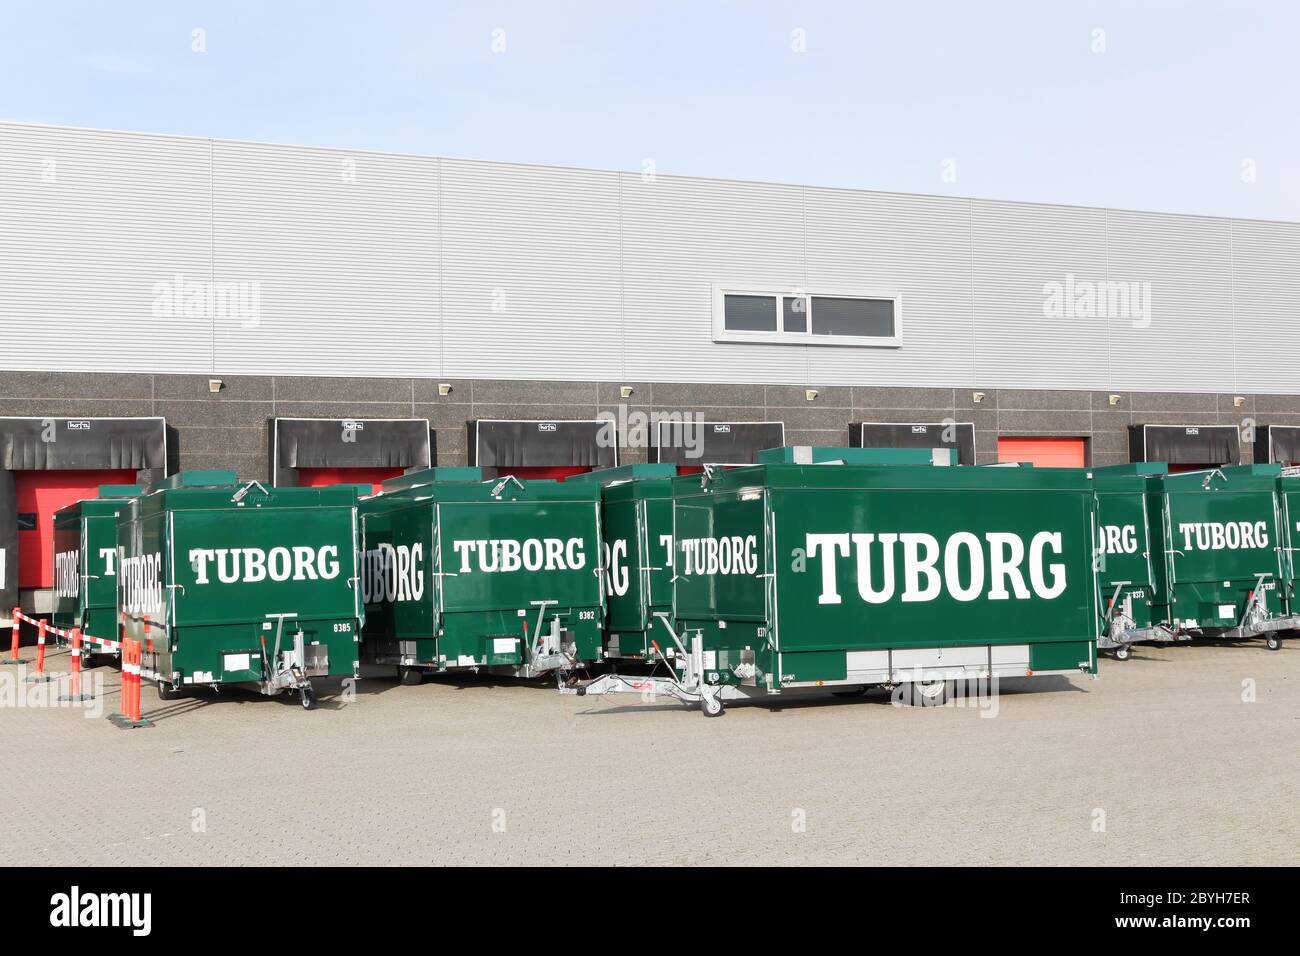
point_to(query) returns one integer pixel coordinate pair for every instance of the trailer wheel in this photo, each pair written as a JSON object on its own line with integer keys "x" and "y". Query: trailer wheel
{"x": 410, "y": 676}
{"x": 711, "y": 705}
{"x": 1123, "y": 652}
{"x": 307, "y": 697}
{"x": 1272, "y": 642}
{"x": 166, "y": 691}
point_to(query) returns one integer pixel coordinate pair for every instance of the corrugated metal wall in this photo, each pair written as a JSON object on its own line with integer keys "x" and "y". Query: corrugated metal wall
{"x": 377, "y": 264}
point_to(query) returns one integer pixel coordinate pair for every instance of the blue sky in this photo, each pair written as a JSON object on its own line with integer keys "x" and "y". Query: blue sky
{"x": 1192, "y": 107}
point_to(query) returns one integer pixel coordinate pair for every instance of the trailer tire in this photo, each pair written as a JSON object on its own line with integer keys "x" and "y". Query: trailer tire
{"x": 1123, "y": 653}
{"x": 1272, "y": 642}
{"x": 410, "y": 676}
{"x": 711, "y": 705}
{"x": 307, "y": 697}
{"x": 166, "y": 691}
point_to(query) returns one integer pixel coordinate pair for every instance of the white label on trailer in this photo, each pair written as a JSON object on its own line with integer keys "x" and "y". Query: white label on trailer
{"x": 504, "y": 645}
{"x": 1228, "y": 611}
{"x": 465, "y": 660}
{"x": 235, "y": 662}
{"x": 710, "y": 660}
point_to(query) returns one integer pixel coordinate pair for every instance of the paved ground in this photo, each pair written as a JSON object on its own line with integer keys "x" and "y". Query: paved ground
{"x": 1183, "y": 770}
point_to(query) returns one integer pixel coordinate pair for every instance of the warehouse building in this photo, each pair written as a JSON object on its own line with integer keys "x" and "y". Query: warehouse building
{"x": 307, "y": 315}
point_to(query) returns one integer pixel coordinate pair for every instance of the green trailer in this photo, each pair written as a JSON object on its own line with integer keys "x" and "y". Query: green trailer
{"x": 828, "y": 455}
{"x": 85, "y": 562}
{"x": 803, "y": 576}
{"x": 637, "y": 524}
{"x": 1288, "y": 495}
{"x": 1225, "y": 560}
{"x": 228, "y": 583}
{"x": 427, "y": 476}
{"x": 500, "y": 576}
{"x": 1128, "y": 557}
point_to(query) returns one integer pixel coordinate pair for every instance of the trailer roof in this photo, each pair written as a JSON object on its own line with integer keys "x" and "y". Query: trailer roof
{"x": 886, "y": 476}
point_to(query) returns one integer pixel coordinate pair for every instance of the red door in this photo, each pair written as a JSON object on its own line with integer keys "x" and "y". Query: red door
{"x": 1044, "y": 452}
{"x": 38, "y": 495}
{"x": 322, "y": 477}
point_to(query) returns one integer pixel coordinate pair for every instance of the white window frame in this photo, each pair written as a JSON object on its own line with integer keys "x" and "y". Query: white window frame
{"x": 781, "y": 337}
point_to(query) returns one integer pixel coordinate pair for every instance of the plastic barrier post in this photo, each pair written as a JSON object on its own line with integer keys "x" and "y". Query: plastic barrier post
{"x": 74, "y": 693}
{"x": 39, "y": 677}
{"x": 13, "y": 646}
{"x": 130, "y": 717}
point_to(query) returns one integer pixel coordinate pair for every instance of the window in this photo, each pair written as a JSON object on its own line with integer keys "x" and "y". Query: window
{"x": 796, "y": 314}
{"x": 843, "y": 316}
{"x": 750, "y": 313}
{"x": 819, "y": 317}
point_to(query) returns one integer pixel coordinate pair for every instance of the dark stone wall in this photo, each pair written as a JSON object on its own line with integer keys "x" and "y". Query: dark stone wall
{"x": 228, "y": 430}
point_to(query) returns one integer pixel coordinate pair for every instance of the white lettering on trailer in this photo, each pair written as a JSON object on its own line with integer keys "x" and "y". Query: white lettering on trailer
{"x": 496, "y": 555}
{"x": 616, "y": 570}
{"x": 1117, "y": 539}
{"x": 1224, "y": 536}
{"x": 141, "y": 584}
{"x": 727, "y": 555}
{"x": 1000, "y": 565}
{"x": 110, "y": 557}
{"x": 392, "y": 574}
{"x": 251, "y": 565}
{"x": 67, "y": 574}
{"x": 667, "y": 541}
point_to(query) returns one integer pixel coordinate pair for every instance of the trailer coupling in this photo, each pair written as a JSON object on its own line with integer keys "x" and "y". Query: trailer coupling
{"x": 286, "y": 669}
{"x": 688, "y": 686}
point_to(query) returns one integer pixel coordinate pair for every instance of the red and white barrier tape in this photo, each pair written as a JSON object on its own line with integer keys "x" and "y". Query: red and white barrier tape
{"x": 67, "y": 635}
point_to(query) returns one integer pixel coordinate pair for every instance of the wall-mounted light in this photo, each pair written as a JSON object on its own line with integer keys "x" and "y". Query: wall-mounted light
{"x": 444, "y": 388}
{"x": 810, "y": 394}
{"x": 625, "y": 391}
{"x": 1114, "y": 399}
{"x": 977, "y": 397}
{"x": 1238, "y": 401}
{"x": 215, "y": 385}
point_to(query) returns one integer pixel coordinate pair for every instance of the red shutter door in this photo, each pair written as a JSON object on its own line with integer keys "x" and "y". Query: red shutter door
{"x": 1044, "y": 452}
{"x": 38, "y": 494}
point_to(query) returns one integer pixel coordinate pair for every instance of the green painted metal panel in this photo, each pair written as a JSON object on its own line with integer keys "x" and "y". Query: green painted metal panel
{"x": 85, "y": 563}
{"x": 1129, "y": 544}
{"x": 1222, "y": 533}
{"x": 605, "y": 476}
{"x": 201, "y": 567}
{"x": 425, "y": 476}
{"x": 1288, "y": 487}
{"x": 802, "y": 568}
{"x": 452, "y": 572}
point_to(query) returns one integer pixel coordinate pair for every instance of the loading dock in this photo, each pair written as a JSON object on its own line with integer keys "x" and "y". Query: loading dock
{"x": 692, "y": 445}
{"x": 540, "y": 449}
{"x": 47, "y": 463}
{"x": 1186, "y": 447}
{"x": 318, "y": 452}
{"x": 1277, "y": 444}
{"x": 916, "y": 435}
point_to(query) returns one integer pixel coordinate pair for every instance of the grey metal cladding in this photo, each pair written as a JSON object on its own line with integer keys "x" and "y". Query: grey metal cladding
{"x": 370, "y": 264}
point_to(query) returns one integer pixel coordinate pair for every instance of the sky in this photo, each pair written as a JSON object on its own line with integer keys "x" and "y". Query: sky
{"x": 1181, "y": 107}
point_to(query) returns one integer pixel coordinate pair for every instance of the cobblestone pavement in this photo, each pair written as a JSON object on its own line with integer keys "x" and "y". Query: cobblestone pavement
{"x": 1160, "y": 761}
